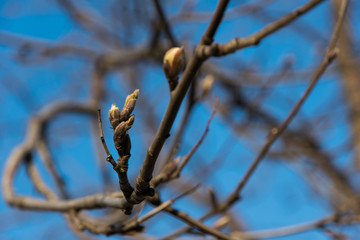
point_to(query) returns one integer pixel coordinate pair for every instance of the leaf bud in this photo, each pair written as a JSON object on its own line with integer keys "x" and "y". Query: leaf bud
{"x": 121, "y": 130}
{"x": 114, "y": 116}
{"x": 174, "y": 62}
{"x": 129, "y": 105}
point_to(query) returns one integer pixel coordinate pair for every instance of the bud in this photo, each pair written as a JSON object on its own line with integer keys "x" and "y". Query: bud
{"x": 121, "y": 130}
{"x": 206, "y": 84}
{"x": 129, "y": 105}
{"x": 114, "y": 116}
{"x": 174, "y": 62}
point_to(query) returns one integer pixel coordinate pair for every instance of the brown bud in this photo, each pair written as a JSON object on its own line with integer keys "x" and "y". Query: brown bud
{"x": 114, "y": 116}
{"x": 174, "y": 62}
{"x": 129, "y": 105}
{"x": 121, "y": 130}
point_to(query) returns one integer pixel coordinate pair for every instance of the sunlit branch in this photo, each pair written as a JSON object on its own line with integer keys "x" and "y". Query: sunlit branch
{"x": 239, "y": 43}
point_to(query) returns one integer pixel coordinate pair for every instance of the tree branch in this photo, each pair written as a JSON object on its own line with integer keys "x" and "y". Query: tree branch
{"x": 142, "y": 185}
{"x": 239, "y": 43}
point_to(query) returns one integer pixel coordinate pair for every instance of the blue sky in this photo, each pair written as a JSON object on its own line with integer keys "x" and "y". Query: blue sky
{"x": 277, "y": 195}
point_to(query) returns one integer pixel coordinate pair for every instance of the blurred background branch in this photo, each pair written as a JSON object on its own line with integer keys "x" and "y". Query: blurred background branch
{"x": 64, "y": 60}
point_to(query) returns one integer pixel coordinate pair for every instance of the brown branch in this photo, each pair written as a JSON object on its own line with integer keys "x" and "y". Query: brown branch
{"x": 172, "y": 169}
{"x": 109, "y": 157}
{"x": 142, "y": 181}
{"x": 77, "y": 222}
{"x": 21, "y": 152}
{"x": 136, "y": 222}
{"x": 89, "y": 202}
{"x": 331, "y": 53}
{"x": 239, "y": 43}
{"x": 120, "y": 168}
{"x": 190, "y": 103}
{"x": 197, "y": 224}
{"x": 301, "y": 142}
{"x": 286, "y": 231}
{"x": 349, "y": 71}
{"x": 44, "y": 152}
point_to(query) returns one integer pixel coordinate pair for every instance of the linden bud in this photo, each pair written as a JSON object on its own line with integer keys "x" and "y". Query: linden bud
{"x": 174, "y": 62}
{"x": 114, "y": 116}
{"x": 129, "y": 105}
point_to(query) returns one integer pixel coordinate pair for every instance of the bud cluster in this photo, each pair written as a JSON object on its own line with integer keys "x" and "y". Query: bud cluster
{"x": 121, "y": 122}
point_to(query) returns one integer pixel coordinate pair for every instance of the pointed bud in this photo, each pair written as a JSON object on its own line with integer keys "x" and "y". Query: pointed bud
{"x": 129, "y": 105}
{"x": 174, "y": 62}
{"x": 114, "y": 116}
{"x": 121, "y": 130}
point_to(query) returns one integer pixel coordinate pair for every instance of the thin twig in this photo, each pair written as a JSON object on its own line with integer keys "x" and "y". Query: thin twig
{"x": 275, "y": 133}
{"x": 330, "y": 55}
{"x": 46, "y": 157}
{"x": 197, "y": 224}
{"x": 193, "y": 150}
{"x": 286, "y": 231}
{"x": 120, "y": 168}
{"x": 109, "y": 157}
{"x": 165, "y": 24}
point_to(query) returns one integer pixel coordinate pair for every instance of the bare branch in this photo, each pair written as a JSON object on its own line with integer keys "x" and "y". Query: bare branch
{"x": 193, "y": 150}
{"x": 276, "y": 132}
{"x": 156, "y": 210}
{"x": 177, "y": 96}
{"x": 165, "y": 24}
{"x": 109, "y": 157}
{"x": 239, "y": 43}
{"x": 286, "y": 231}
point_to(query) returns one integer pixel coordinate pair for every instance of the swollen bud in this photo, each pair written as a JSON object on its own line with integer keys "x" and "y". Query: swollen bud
{"x": 114, "y": 116}
{"x": 174, "y": 62}
{"x": 121, "y": 131}
{"x": 129, "y": 105}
